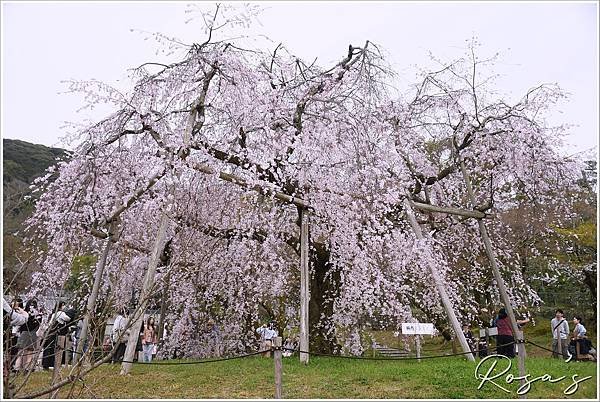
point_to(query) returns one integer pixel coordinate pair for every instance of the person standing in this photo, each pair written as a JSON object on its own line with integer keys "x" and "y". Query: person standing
{"x": 139, "y": 346}
{"x": 466, "y": 329}
{"x": 560, "y": 334}
{"x": 28, "y": 340}
{"x": 267, "y": 333}
{"x": 13, "y": 317}
{"x": 49, "y": 343}
{"x": 506, "y": 340}
{"x": 120, "y": 336}
{"x": 149, "y": 339}
{"x": 215, "y": 338}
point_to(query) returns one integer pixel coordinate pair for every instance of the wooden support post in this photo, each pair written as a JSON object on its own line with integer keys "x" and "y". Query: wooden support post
{"x": 450, "y": 210}
{"x": 418, "y": 347}
{"x": 440, "y": 286}
{"x": 163, "y": 306}
{"x": 304, "y": 288}
{"x": 501, "y": 285}
{"x": 91, "y": 302}
{"x": 487, "y": 340}
{"x": 144, "y": 295}
{"x": 59, "y": 349}
{"x": 278, "y": 366}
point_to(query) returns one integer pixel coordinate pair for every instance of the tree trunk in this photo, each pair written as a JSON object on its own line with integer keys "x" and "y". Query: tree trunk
{"x": 323, "y": 292}
{"x": 163, "y": 306}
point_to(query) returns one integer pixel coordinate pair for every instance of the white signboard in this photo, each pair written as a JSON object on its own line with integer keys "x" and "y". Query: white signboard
{"x": 491, "y": 332}
{"x": 417, "y": 328}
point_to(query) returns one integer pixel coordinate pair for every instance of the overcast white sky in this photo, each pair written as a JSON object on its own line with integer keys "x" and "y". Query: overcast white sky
{"x": 44, "y": 43}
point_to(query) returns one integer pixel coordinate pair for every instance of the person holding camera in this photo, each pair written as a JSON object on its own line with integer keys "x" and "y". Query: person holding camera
{"x": 14, "y": 315}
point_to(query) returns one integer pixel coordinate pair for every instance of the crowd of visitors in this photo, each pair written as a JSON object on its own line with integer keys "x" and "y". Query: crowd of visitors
{"x": 568, "y": 345}
{"x": 29, "y": 338}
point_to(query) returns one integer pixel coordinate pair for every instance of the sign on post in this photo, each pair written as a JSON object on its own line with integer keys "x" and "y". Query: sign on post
{"x": 417, "y": 328}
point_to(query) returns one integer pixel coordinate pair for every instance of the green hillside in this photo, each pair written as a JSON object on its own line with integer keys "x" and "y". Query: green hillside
{"x": 22, "y": 162}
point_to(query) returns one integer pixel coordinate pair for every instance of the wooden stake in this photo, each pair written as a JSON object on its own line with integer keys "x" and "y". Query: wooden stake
{"x": 59, "y": 349}
{"x": 501, "y": 285}
{"x": 163, "y": 306}
{"x": 440, "y": 286}
{"x": 278, "y": 367}
{"x": 144, "y": 295}
{"x": 418, "y": 347}
{"x": 304, "y": 288}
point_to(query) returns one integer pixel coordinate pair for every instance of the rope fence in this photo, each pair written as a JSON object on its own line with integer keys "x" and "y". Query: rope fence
{"x": 494, "y": 348}
{"x": 395, "y": 358}
{"x": 540, "y": 347}
{"x": 282, "y": 348}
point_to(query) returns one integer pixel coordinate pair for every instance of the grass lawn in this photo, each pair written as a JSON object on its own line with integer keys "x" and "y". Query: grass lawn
{"x": 324, "y": 377}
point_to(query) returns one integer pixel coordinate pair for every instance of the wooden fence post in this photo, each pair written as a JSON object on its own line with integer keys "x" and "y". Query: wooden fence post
{"x": 418, "y": 347}
{"x": 278, "y": 366}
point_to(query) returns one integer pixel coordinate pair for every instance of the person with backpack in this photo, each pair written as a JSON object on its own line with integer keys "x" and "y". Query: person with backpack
{"x": 49, "y": 343}
{"x": 56, "y": 336}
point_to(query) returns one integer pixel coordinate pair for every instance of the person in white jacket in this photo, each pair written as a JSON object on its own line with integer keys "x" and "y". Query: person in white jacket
{"x": 120, "y": 336}
{"x": 16, "y": 314}
{"x": 267, "y": 333}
